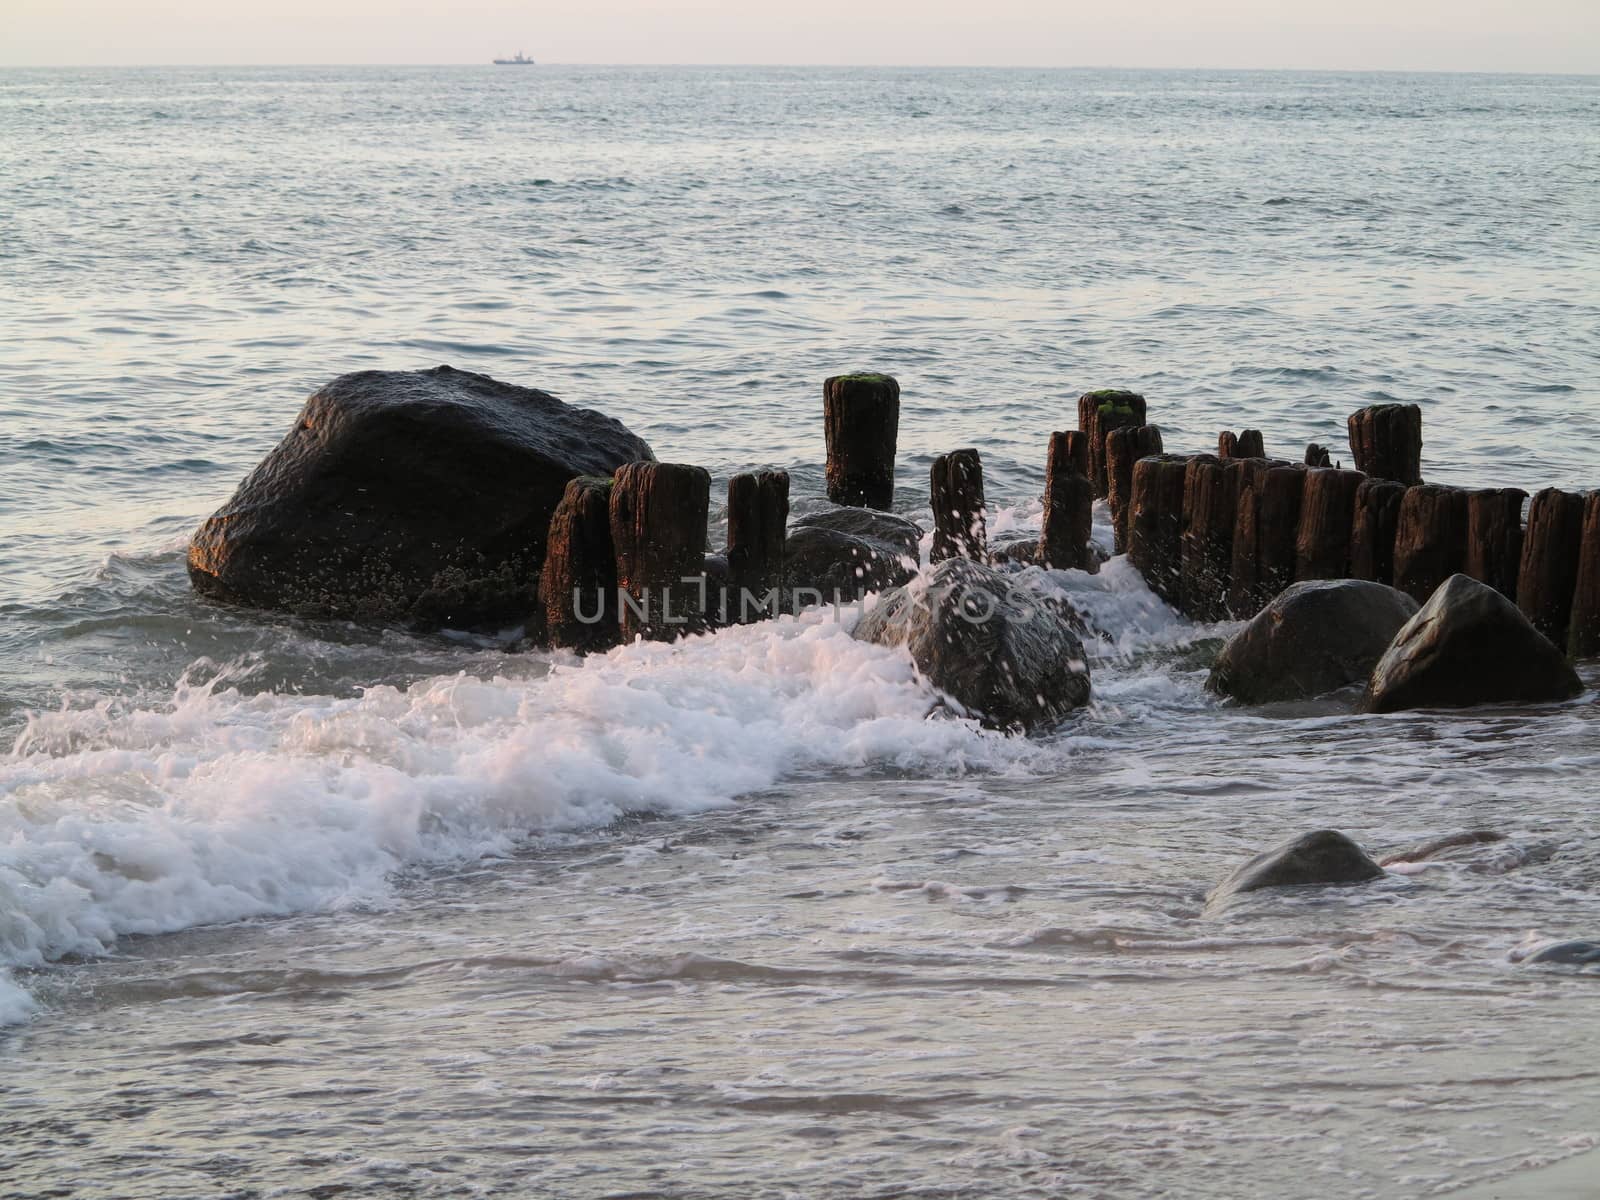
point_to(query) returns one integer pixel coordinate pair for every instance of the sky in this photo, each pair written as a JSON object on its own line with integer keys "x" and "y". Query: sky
{"x": 1440, "y": 35}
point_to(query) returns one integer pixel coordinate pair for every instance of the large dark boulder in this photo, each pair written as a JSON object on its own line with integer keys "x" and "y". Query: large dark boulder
{"x": 1315, "y": 637}
{"x": 1010, "y": 658}
{"x": 415, "y": 497}
{"x": 844, "y": 553}
{"x": 1468, "y": 645}
{"x": 1323, "y": 858}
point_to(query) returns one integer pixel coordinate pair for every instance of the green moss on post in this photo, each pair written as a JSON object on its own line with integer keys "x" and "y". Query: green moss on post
{"x": 1099, "y": 412}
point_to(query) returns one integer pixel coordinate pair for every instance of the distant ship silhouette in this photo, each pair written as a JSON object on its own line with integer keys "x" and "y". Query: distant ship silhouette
{"x": 521, "y": 60}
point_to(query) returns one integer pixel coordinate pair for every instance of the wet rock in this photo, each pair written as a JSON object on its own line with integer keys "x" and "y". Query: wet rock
{"x": 902, "y": 533}
{"x": 1323, "y": 858}
{"x": 411, "y": 497}
{"x": 1440, "y": 846}
{"x": 1478, "y": 852}
{"x": 1468, "y": 645}
{"x": 1009, "y": 657}
{"x": 1315, "y": 637}
{"x": 845, "y": 553}
{"x": 1576, "y": 953}
{"x": 1024, "y": 552}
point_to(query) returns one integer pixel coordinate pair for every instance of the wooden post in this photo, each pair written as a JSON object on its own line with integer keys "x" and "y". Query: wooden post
{"x": 1247, "y": 443}
{"x": 1584, "y": 639}
{"x": 1099, "y": 412}
{"x": 1430, "y": 539}
{"x": 1386, "y": 440}
{"x": 1377, "y": 513}
{"x": 1076, "y": 444}
{"x": 579, "y": 583}
{"x": 1327, "y": 520}
{"x": 861, "y": 421}
{"x": 1245, "y": 476}
{"x": 1317, "y": 456}
{"x": 1494, "y": 538}
{"x": 956, "y": 494}
{"x": 1068, "y": 505}
{"x": 658, "y": 527}
{"x": 1266, "y": 524}
{"x": 1281, "y": 492}
{"x": 758, "y": 520}
{"x": 1209, "y": 505}
{"x": 1549, "y": 574}
{"x": 1156, "y": 544}
{"x": 1124, "y": 447}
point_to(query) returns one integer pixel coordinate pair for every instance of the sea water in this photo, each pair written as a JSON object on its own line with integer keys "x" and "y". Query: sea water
{"x": 294, "y": 907}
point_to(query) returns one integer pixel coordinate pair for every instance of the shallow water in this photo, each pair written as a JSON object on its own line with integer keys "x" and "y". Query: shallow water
{"x": 298, "y": 906}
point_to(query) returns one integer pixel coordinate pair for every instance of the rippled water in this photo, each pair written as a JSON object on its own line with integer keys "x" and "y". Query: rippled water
{"x": 302, "y": 908}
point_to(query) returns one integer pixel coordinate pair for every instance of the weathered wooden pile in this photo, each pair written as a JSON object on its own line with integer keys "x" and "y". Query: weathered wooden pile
{"x": 1216, "y": 535}
{"x": 1220, "y": 535}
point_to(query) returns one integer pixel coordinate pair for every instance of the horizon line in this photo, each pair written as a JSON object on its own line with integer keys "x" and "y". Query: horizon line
{"x": 808, "y": 66}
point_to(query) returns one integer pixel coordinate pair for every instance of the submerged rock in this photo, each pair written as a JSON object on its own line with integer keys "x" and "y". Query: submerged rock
{"x": 1010, "y": 658}
{"x": 1027, "y": 552}
{"x": 416, "y": 497}
{"x": 1468, "y": 645}
{"x": 1315, "y": 637}
{"x": 844, "y": 553}
{"x": 1479, "y": 852}
{"x": 1441, "y": 847}
{"x": 1325, "y": 857}
{"x": 1022, "y": 552}
{"x": 1576, "y": 953}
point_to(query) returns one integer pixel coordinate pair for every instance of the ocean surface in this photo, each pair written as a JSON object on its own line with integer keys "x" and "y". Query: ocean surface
{"x": 296, "y": 908}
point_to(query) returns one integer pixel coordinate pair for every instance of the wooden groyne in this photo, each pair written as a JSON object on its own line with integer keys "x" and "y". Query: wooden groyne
{"x": 1248, "y": 526}
{"x": 1217, "y": 536}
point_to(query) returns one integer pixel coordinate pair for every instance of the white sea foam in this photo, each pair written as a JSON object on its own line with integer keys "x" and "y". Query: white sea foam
{"x": 224, "y": 805}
